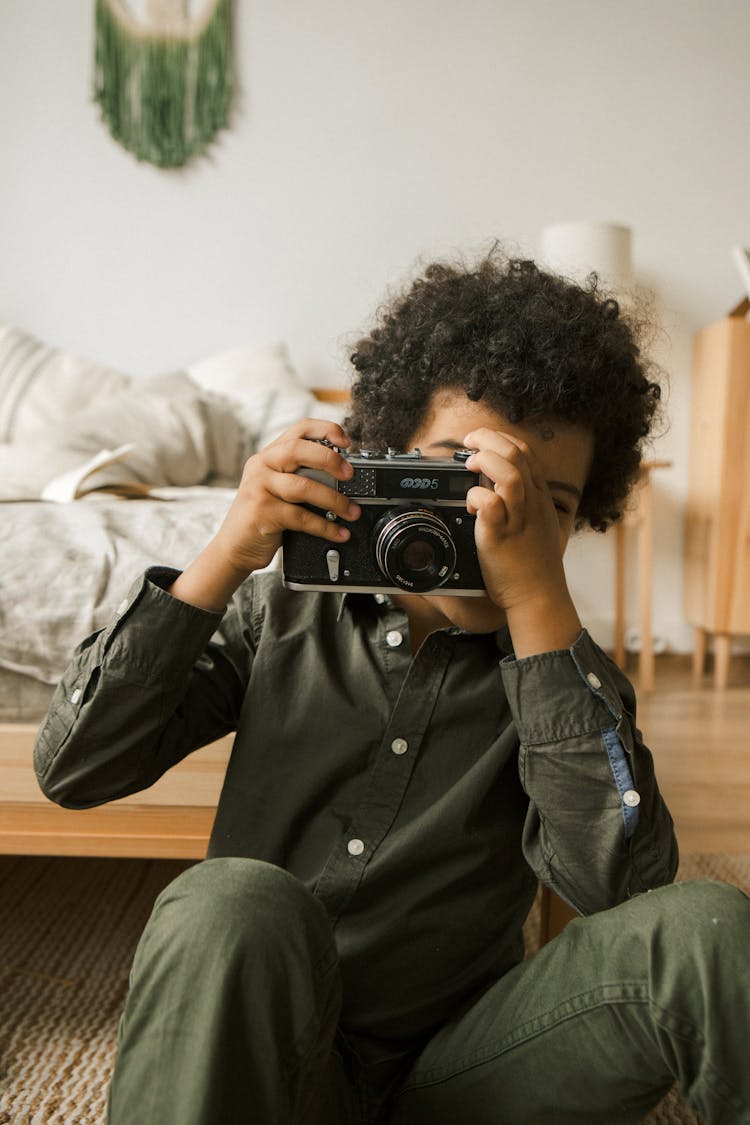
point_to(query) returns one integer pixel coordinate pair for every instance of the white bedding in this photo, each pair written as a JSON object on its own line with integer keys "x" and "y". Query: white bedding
{"x": 64, "y": 568}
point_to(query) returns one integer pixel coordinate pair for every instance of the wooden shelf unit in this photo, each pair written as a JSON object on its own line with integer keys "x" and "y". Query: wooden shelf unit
{"x": 717, "y": 534}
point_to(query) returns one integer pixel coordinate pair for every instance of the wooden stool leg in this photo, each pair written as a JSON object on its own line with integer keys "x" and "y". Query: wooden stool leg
{"x": 645, "y": 582}
{"x": 620, "y": 544}
{"x": 700, "y": 645}
{"x": 722, "y": 653}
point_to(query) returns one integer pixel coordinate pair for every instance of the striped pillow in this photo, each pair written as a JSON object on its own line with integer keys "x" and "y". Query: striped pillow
{"x": 41, "y": 386}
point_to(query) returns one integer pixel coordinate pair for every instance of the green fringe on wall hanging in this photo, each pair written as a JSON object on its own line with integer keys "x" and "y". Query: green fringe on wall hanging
{"x": 164, "y": 86}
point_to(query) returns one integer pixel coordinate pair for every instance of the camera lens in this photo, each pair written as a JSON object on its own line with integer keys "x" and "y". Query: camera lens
{"x": 418, "y": 555}
{"x": 414, "y": 549}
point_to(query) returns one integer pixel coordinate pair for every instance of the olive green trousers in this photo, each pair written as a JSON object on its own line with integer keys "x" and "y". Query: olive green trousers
{"x": 232, "y": 1017}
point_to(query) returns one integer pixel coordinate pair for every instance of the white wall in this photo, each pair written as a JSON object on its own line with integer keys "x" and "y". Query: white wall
{"x": 366, "y": 135}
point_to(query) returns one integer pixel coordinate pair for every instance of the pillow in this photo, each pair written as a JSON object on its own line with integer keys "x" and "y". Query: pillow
{"x": 263, "y": 385}
{"x": 58, "y": 412}
{"x": 40, "y": 385}
{"x": 165, "y": 431}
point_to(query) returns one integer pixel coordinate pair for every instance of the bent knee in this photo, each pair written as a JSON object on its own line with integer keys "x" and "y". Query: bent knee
{"x": 712, "y": 903}
{"x": 701, "y": 913}
{"x": 239, "y": 896}
{"x": 234, "y": 879}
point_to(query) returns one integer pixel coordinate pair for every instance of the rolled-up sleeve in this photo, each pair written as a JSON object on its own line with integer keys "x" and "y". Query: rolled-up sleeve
{"x": 597, "y": 828}
{"x": 157, "y": 682}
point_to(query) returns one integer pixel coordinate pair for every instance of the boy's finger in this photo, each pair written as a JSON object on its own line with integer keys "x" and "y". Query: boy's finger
{"x": 294, "y": 488}
{"x": 490, "y": 505}
{"x": 510, "y": 447}
{"x": 298, "y": 452}
{"x": 317, "y": 429}
{"x": 302, "y": 519}
{"x": 511, "y": 481}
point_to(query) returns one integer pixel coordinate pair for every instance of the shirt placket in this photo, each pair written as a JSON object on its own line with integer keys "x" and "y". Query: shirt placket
{"x": 391, "y": 771}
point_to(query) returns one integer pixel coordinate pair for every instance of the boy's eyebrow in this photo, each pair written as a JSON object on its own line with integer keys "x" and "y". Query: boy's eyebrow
{"x": 563, "y": 486}
{"x": 447, "y": 443}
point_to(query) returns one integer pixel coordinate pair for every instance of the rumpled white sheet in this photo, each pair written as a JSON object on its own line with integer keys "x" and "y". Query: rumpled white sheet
{"x": 64, "y": 568}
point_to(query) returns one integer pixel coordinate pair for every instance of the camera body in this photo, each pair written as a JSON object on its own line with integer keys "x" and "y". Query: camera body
{"x": 414, "y": 534}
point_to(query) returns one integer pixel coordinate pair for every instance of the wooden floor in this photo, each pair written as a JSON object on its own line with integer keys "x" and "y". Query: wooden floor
{"x": 700, "y": 739}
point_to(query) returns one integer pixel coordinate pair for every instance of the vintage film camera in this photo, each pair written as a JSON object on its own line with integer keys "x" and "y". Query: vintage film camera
{"x": 414, "y": 534}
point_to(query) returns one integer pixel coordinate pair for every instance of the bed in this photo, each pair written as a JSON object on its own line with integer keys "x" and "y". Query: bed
{"x": 102, "y": 475}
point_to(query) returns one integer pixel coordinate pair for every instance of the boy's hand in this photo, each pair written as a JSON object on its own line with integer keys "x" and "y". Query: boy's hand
{"x": 520, "y": 542}
{"x": 268, "y": 502}
{"x": 270, "y": 495}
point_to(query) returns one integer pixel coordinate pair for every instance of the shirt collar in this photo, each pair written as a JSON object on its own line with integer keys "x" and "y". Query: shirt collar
{"x": 351, "y": 599}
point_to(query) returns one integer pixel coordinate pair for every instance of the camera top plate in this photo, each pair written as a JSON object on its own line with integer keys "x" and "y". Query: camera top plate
{"x": 407, "y": 477}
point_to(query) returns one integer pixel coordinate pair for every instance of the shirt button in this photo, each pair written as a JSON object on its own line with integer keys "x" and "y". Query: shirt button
{"x": 355, "y": 847}
{"x": 393, "y": 638}
{"x": 631, "y": 798}
{"x": 399, "y": 746}
{"x": 594, "y": 680}
{"x": 76, "y": 695}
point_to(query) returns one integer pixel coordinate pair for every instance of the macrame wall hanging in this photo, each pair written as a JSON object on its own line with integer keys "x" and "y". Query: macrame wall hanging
{"x": 163, "y": 80}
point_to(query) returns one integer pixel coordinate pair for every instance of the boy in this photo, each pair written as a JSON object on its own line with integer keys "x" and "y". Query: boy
{"x": 405, "y": 768}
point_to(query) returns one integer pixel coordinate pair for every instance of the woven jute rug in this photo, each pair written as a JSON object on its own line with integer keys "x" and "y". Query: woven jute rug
{"x": 68, "y": 932}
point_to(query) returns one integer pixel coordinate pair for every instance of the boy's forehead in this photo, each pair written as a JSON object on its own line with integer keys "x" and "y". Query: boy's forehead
{"x": 564, "y": 448}
{"x": 450, "y": 414}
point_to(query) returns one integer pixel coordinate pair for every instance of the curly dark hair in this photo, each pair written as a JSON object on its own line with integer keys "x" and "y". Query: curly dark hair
{"x": 528, "y": 343}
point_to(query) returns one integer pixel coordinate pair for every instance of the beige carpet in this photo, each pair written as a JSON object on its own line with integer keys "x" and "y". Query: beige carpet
{"x": 68, "y": 931}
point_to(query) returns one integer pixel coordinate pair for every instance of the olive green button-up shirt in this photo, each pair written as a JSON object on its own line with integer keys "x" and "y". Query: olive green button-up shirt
{"x": 420, "y": 798}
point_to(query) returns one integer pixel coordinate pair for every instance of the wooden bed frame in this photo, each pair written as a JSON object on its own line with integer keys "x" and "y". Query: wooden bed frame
{"x": 172, "y": 819}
